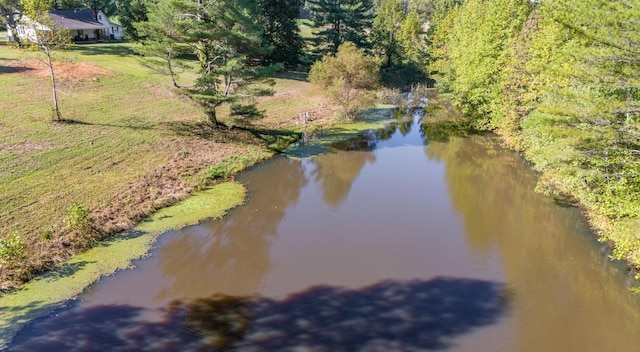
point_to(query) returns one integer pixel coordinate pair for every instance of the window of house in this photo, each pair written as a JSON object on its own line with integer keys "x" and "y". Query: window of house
{"x": 99, "y": 17}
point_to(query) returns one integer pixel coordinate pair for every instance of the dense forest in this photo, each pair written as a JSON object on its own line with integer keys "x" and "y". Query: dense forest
{"x": 557, "y": 80}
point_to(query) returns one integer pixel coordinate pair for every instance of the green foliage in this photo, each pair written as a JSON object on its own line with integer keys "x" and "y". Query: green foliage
{"x": 162, "y": 29}
{"x": 7, "y": 9}
{"x": 246, "y": 110}
{"x": 281, "y": 30}
{"x": 476, "y": 44}
{"x": 12, "y": 250}
{"x": 424, "y": 8}
{"x": 411, "y": 38}
{"x": 349, "y": 78}
{"x": 77, "y": 217}
{"x": 386, "y": 28}
{"x": 562, "y": 84}
{"x": 441, "y": 9}
{"x": 226, "y": 39}
{"x": 341, "y": 21}
{"x": 109, "y": 7}
{"x": 129, "y": 13}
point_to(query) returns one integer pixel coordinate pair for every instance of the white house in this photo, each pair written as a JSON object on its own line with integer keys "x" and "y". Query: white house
{"x": 84, "y": 25}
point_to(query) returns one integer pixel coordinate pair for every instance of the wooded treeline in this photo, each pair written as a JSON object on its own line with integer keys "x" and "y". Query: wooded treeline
{"x": 559, "y": 81}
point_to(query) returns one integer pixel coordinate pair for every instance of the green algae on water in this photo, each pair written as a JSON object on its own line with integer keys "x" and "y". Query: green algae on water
{"x": 40, "y": 296}
{"x": 371, "y": 119}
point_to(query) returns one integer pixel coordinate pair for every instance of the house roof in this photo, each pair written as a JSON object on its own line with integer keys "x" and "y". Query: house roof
{"x": 76, "y": 19}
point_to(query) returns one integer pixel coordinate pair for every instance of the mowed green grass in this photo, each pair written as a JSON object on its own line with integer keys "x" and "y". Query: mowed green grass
{"x": 122, "y": 128}
{"x": 44, "y": 166}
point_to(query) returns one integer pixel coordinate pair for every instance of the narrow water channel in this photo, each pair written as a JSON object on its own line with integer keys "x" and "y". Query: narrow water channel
{"x": 391, "y": 242}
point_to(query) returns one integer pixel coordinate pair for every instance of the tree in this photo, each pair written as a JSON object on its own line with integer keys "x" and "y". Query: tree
{"x": 411, "y": 38}
{"x": 163, "y": 38}
{"x": 474, "y": 42}
{"x": 228, "y": 43}
{"x": 8, "y": 9}
{"x": 47, "y": 38}
{"x": 386, "y": 27}
{"x": 281, "y": 30}
{"x": 341, "y": 21}
{"x": 107, "y": 6}
{"x": 560, "y": 83}
{"x": 424, "y": 8}
{"x": 349, "y": 78}
{"x": 130, "y": 12}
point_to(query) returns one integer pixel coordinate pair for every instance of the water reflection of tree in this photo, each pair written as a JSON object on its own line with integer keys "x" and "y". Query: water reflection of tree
{"x": 336, "y": 171}
{"x": 391, "y": 315}
{"x": 232, "y": 256}
{"x": 573, "y": 301}
{"x": 220, "y": 320}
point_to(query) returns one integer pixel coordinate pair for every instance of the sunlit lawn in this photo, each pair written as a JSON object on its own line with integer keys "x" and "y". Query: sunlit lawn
{"x": 119, "y": 132}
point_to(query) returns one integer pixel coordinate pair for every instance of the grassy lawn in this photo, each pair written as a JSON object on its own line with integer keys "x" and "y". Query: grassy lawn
{"x": 130, "y": 145}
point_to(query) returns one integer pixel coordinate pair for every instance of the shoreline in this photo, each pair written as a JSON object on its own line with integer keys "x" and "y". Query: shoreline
{"x": 51, "y": 290}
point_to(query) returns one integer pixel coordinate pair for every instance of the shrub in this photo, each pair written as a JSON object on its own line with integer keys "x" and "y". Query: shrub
{"x": 12, "y": 250}
{"x": 77, "y": 217}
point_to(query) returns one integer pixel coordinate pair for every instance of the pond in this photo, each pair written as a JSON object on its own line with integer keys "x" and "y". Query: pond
{"x": 391, "y": 241}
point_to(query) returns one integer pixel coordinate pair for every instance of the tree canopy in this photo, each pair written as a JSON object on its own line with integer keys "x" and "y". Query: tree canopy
{"x": 281, "y": 30}
{"x": 349, "y": 78}
{"x": 397, "y": 33}
{"x": 227, "y": 42}
{"x": 559, "y": 81}
{"x": 341, "y": 21}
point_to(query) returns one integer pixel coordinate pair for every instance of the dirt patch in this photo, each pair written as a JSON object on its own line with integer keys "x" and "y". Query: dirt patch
{"x": 67, "y": 71}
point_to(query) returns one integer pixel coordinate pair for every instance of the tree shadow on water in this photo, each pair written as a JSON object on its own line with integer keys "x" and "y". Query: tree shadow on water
{"x": 391, "y": 315}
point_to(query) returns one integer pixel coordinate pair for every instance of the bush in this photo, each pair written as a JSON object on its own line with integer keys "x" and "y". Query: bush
{"x": 349, "y": 78}
{"x": 12, "y": 250}
{"x": 77, "y": 217}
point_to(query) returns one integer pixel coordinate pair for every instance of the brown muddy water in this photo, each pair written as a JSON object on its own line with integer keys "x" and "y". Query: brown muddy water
{"x": 391, "y": 242}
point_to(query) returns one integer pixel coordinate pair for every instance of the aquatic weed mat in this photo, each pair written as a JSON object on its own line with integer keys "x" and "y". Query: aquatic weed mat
{"x": 322, "y": 139}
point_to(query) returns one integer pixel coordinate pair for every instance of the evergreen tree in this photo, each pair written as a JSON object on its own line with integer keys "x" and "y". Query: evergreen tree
{"x": 228, "y": 43}
{"x": 341, "y": 21}
{"x": 164, "y": 42}
{"x": 411, "y": 38}
{"x": 130, "y": 12}
{"x": 281, "y": 30}
{"x": 107, "y": 6}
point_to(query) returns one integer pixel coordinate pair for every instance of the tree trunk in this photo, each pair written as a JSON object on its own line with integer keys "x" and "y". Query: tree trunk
{"x": 171, "y": 73}
{"x": 211, "y": 114}
{"x": 54, "y": 90}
